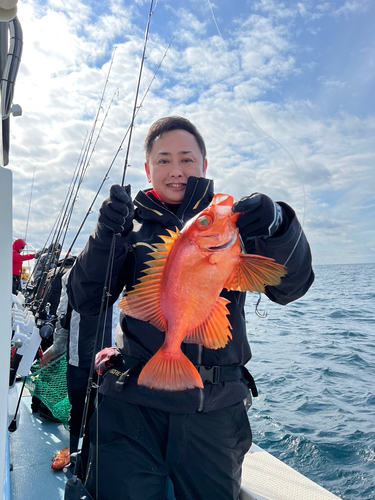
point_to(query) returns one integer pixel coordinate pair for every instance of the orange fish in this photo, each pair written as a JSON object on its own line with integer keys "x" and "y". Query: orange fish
{"x": 180, "y": 294}
{"x": 61, "y": 459}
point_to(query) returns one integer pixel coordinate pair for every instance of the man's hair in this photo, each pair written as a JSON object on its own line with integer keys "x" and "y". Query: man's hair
{"x": 167, "y": 124}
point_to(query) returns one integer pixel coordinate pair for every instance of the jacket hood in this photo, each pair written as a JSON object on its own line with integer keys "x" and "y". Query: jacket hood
{"x": 19, "y": 245}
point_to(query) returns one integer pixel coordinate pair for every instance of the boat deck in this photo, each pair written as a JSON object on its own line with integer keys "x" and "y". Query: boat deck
{"x": 264, "y": 477}
{"x": 35, "y": 442}
{"x": 31, "y": 449}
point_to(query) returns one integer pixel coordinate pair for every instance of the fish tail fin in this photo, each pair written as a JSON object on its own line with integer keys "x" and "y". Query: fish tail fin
{"x": 168, "y": 373}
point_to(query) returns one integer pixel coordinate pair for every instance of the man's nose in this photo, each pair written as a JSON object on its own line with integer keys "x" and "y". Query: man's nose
{"x": 176, "y": 170}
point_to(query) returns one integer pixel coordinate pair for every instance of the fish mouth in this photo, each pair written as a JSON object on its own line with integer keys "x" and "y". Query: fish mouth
{"x": 226, "y": 245}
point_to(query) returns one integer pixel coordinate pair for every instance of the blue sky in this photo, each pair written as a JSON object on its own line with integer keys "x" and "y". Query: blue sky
{"x": 281, "y": 91}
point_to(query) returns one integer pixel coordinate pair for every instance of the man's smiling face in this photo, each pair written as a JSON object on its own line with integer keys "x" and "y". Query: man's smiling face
{"x": 174, "y": 157}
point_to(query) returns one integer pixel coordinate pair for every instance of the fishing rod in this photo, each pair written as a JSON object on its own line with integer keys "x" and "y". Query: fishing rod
{"x": 60, "y": 214}
{"x": 68, "y": 206}
{"x": 60, "y": 269}
{"x": 71, "y": 204}
{"x": 86, "y": 165}
{"x": 12, "y": 427}
{"x": 89, "y": 211}
{"x": 89, "y": 150}
{"x": 49, "y": 258}
{"x": 43, "y": 266}
{"x": 28, "y": 213}
{"x": 137, "y": 93}
{"x": 119, "y": 149}
{"x": 100, "y": 107}
{"x": 85, "y": 158}
{"x": 74, "y": 485}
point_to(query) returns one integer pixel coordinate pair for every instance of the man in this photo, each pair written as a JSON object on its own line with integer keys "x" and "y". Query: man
{"x": 197, "y": 437}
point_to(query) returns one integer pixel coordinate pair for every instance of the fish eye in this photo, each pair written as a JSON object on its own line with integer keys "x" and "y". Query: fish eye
{"x": 204, "y": 222}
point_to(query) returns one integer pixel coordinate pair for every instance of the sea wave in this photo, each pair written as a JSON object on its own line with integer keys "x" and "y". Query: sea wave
{"x": 313, "y": 364}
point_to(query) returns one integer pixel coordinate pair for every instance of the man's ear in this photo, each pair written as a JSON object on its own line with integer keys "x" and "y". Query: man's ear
{"x": 205, "y": 165}
{"x": 148, "y": 173}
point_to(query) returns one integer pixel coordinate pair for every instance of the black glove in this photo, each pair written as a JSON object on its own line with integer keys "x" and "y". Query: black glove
{"x": 260, "y": 216}
{"x": 117, "y": 212}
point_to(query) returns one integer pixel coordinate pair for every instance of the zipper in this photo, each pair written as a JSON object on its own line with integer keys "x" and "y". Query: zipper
{"x": 182, "y": 220}
{"x": 201, "y": 391}
{"x": 201, "y": 400}
{"x": 200, "y": 351}
{"x": 204, "y": 195}
{"x": 165, "y": 208}
{"x": 188, "y": 204}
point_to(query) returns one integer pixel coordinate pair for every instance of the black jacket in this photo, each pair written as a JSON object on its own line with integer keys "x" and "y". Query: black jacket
{"x": 140, "y": 339}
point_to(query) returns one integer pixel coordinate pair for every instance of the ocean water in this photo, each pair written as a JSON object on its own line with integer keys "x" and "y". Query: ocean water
{"x": 314, "y": 365}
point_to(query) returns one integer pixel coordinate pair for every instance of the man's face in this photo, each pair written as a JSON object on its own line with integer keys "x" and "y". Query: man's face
{"x": 174, "y": 157}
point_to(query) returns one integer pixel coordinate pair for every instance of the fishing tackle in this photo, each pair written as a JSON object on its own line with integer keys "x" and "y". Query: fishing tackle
{"x": 136, "y": 94}
{"x": 13, "y": 424}
{"x": 287, "y": 152}
{"x": 28, "y": 213}
{"x": 106, "y": 175}
{"x": 257, "y": 312}
{"x": 74, "y": 486}
{"x": 62, "y": 222}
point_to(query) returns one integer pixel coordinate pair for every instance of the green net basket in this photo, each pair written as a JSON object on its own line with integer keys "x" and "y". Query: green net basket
{"x": 49, "y": 385}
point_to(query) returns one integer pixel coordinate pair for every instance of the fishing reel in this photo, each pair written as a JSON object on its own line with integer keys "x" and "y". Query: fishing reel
{"x": 29, "y": 293}
{"x": 45, "y": 322}
{"x": 46, "y": 330}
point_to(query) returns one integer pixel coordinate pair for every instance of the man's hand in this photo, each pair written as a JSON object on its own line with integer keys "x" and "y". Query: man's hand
{"x": 117, "y": 212}
{"x": 46, "y": 359}
{"x": 260, "y": 216}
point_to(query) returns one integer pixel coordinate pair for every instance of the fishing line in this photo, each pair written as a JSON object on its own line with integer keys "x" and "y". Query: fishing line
{"x": 55, "y": 229}
{"x": 84, "y": 170}
{"x": 66, "y": 213}
{"x": 214, "y": 18}
{"x": 119, "y": 149}
{"x": 137, "y": 92}
{"x": 84, "y": 163}
{"x": 74, "y": 483}
{"x": 277, "y": 142}
{"x": 31, "y": 194}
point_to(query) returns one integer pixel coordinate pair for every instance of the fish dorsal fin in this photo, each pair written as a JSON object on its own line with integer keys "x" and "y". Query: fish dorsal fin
{"x": 214, "y": 333}
{"x": 253, "y": 272}
{"x": 143, "y": 302}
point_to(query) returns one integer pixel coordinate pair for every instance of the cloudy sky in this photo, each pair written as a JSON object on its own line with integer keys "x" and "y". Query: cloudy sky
{"x": 281, "y": 91}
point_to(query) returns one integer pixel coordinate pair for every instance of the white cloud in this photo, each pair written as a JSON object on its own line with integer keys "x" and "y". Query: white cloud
{"x": 353, "y": 6}
{"x": 222, "y": 85}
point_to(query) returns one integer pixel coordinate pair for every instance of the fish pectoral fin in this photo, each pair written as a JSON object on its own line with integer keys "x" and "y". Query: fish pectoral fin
{"x": 253, "y": 272}
{"x": 215, "y": 332}
{"x": 168, "y": 373}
